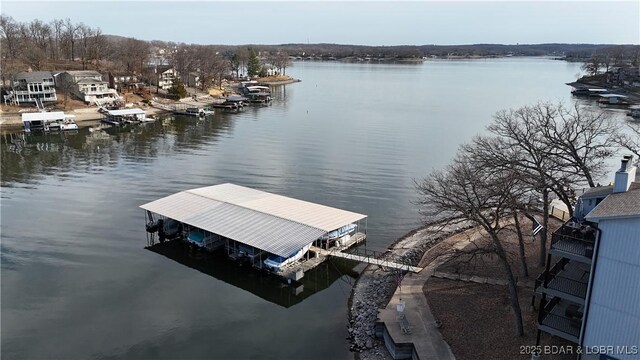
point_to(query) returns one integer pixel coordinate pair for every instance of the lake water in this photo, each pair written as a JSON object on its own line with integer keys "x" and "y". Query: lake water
{"x": 77, "y": 281}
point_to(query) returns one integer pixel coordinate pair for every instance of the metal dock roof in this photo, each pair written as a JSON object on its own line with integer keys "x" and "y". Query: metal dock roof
{"x": 43, "y": 116}
{"x": 124, "y": 112}
{"x": 275, "y": 223}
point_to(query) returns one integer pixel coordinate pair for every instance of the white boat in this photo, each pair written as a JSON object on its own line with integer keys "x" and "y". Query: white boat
{"x": 192, "y": 110}
{"x": 48, "y": 121}
{"x": 277, "y": 263}
{"x": 338, "y": 233}
{"x": 204, "y": 239}
{"x": 69, "y": 123}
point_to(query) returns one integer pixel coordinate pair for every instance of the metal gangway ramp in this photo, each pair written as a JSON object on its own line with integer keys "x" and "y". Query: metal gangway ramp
{"x": 370, "y": 257}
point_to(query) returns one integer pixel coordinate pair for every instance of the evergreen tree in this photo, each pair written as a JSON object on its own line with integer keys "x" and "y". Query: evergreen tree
{"x": 254, "y": 65}
{"x": 177, "y": 89}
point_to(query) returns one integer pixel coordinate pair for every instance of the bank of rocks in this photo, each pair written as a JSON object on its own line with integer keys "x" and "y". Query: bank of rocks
{"x": 374, "y": 289}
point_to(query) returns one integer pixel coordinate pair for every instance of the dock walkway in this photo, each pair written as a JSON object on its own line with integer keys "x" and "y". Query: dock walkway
{"x": 370, "y": 260}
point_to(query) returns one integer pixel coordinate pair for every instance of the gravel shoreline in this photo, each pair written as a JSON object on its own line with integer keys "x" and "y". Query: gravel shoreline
{"x": 375, "y": 287}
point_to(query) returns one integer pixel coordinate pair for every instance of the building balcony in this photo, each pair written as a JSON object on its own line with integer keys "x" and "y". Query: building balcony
{"x": 33, "y": 93}
{"x": 574, "y": 240}
{"x": 562, "y": 318}
{"x": 566, "y": 279}
{"x": 106, "y": 92}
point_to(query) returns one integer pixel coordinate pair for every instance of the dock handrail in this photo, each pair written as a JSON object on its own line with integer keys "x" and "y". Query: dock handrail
{"x": 369, "y": 256}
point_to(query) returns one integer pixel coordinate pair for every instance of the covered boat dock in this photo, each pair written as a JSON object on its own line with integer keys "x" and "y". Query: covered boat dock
{"x": 256, "y": 225}
{"x": 124, "y": 116}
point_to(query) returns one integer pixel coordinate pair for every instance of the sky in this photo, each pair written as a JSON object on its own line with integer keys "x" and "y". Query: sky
{"x": 354, "y": 22}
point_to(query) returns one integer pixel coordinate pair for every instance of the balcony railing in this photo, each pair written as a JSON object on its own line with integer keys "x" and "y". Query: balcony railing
{"x": 568, "y": 286}
{"x": 26, "y": 92}
{"x": 565, "y": 277}
{"x": 576, "y": 238}
{"x": 561, "y": 318}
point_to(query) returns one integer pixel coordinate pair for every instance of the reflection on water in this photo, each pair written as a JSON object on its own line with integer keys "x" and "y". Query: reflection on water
{"x": 27, "y": 157}
{"x": 78, "y": 283}
{"x": 262, "y": 284}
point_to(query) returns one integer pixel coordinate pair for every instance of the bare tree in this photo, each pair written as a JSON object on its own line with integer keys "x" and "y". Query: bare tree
{"x": 281, "y": 61}
{"x": 492, "y": 152}
{"x": 580, "y": 141}
{"x": 630, "y": 140}
{"x": 11, "y": 47}
{"x": 40, "y": 33}
{"x": 84, "y": 34}
{"x": 467, "y": 192}
{"x": 97, "y": 46}
{"x": 522, "y": 147}
{"x": 243, "y": 58}
{"x": 34, "y": 56}
{"x": 132, "y": 54}
{"x": 57, "y": 28}
{"x": 69, "y": 39}
{"x": 183, "y": 60}
{"x": 592, "y": 65}
{"x": 234, "y": 64}
{"x": 10, "y": 32}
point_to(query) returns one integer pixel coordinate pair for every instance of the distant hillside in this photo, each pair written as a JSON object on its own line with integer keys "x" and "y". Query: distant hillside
{"x": 322, "y": 50}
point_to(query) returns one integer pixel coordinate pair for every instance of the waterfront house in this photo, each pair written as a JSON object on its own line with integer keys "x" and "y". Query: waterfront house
{"x": 590, "y": 295}
{"x": 30, "y": 87}
{"x": 194, "y": 80}
{"x": 120, "y": 80}
{"x": 88, "y": 86}
{"x": 161, "y": 76}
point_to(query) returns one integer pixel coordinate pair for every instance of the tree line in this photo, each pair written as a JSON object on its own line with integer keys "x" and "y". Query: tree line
{"x": 609, "y": 57}
{"x": 65, "y": 45}
{"x": 530, "y": 155}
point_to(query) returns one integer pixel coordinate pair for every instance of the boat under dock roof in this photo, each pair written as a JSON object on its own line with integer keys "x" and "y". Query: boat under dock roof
{"x": 270, "y": 222}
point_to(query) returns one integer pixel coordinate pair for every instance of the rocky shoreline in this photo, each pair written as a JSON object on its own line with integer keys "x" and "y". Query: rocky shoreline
{"x": 375, "y": 287}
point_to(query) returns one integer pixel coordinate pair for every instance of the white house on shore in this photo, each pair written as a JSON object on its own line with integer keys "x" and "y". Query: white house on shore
{"x": 88, "y": 86}
{"x": 162, "y": 76}
{"x": 29, "y": 87}
{"x": 591, "y": 294}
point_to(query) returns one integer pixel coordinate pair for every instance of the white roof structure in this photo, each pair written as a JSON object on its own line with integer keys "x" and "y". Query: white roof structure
{"x": 274, "y": 223}
{"x": 614, "y": 96}
{"x": 125, "y": 112}
{"x": 43, "y": 116}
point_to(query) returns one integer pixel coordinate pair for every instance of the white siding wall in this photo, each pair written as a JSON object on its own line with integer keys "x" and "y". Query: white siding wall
{"x": 614, "y": 313}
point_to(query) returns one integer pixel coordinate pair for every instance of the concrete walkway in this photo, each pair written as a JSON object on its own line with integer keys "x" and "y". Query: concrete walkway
{"x": 425, "y": 336}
